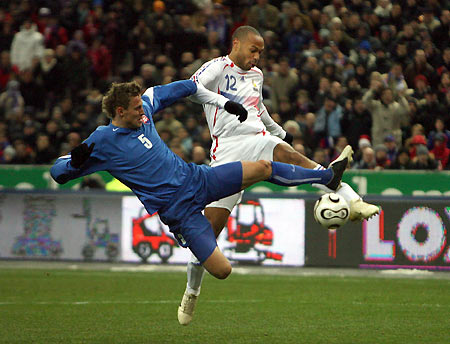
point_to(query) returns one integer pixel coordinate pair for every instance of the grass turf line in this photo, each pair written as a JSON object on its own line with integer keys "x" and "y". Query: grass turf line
{"x": 61, "y": 306}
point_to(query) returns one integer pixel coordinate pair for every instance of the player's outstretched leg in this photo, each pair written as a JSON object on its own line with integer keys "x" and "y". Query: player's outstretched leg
{"x": 292, "y": 175}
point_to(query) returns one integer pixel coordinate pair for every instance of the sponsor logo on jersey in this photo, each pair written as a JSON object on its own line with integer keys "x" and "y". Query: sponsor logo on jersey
{"x": 144, "y": 119}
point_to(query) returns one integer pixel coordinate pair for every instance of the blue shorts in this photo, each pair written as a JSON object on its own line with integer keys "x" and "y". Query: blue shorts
{"x": 184, "y": 215}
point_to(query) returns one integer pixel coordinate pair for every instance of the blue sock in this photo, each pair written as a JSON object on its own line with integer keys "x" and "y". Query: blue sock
{"x": 291, "y": 175}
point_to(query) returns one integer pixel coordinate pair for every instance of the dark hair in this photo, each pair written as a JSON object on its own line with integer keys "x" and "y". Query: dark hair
{"x": 119, "y": 94}
{"x": 242, "y": 31}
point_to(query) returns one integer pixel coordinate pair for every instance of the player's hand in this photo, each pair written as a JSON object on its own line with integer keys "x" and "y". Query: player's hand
{"x": 288, "y": 138}
{"x": 236, "y": 109}
{"x": 80, "y": 154}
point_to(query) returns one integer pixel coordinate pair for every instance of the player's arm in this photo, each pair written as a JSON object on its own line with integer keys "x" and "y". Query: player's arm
{"x": 205, "y": 78}
{"x": 273, "y": 127}
{"x": 205, "y": 96}
{"x": 82, "y": 160}
{"x": 159, "y": 97}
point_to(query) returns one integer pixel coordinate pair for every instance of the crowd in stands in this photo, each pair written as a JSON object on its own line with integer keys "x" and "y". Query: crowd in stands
{"x": 373, "y": 74}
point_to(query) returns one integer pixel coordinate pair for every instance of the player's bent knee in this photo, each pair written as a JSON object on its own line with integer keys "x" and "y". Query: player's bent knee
{"x": 265, "y": 168}
{"x": 223, "y": 272}
{"x": 218, "y": 265}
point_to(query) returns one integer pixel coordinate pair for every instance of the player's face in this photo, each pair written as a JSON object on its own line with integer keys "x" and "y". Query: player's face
{"x": 249, "y": 51}
{"x": 132, "y": 116}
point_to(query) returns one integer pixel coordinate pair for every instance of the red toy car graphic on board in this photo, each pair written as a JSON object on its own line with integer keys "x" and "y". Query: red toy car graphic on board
{"x": 149, "y": 237}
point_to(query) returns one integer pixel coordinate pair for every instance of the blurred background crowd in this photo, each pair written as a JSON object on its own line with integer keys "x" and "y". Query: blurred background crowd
{"x": 374, "y": 74}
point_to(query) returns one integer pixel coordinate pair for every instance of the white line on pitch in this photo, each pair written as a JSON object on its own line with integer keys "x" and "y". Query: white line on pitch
{"x": 5, "y": 303}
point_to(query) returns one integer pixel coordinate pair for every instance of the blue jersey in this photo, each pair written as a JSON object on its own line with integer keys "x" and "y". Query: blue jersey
{"x": 137, "y": 157}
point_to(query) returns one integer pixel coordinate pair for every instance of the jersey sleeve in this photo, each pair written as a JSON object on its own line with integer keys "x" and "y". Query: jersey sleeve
{"x": 159, "y": 97}
{"x": 62, "y": 171}
{"x": 208, "y": 73}
{"x": 206, "y": 78}
{"x": 204, "y": 96}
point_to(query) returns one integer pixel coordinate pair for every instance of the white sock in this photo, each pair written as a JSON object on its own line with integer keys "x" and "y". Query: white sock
{"x": 348, "y": 193}
{"x": 345, "y": 190}
{"x": 195, "y": 272}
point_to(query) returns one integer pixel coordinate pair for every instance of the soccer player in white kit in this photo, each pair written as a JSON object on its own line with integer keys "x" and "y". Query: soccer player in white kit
{"x": 258, "y": 137}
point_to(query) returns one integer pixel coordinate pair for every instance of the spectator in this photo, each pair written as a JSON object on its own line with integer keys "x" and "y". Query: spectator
{"x": 367, "y": 161}
{"x": 101, "y": 61}
{"x": 391, "y": 146}
{"x": 11, "y": 101}
{"x": 419, "y": 66}
{"x": 161, "y": 24}
{"x": 415, "y": 141}
{"x": 76, "y": 69}
{"x": 439, "y": 151}
{"x": 296, "y": 39}
{"x": 423, "y": 160}
{"x": 328, "y": 118}
{"x": 381, "y": 157}
{"x": 199, "y": 156}
{"x": 395, "y": 79}
{"x": 45, "y": 152}
{"x": 73, "y": 140}
{"x": 321, "y": 157}
{"x": 444, "y": 86}
{"x": 54, "y": 33}
{"x": 263, "y": 16}
{"x": 347, "y": 43}
{"x": 23, "y": 154}
{"x": 387, "y": 115}
{"x": 430, "y": 22}
{"x": 353, "y": 91}
{"x": 303, "y": 105}
{"x": 26, "y": 46}
{"x": 307, "y": 130}
{"x": 32, "y": 92}
{"x": 51, "y": 75}
{"x": 355, "y": 122}
{"x": 283, "y": 83}
{"x": 7, "y": 70}
{"x": 341, "y": 143}
{"x": 402, "y": 161}
{"x": 439, "y": 128}
{"x": 218, "y": 23}
{"x": 168, "y": 122}
{"x": 440, "y": 33}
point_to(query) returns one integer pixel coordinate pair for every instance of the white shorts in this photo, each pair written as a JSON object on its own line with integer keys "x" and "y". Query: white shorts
{"x": 239, "y": 148}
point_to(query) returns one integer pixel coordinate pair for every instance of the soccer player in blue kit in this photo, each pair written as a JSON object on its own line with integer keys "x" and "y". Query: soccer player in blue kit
{"x": 130, "y": 149}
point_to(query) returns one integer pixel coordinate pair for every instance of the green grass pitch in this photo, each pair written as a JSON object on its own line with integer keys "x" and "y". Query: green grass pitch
{"x": 101, "y": 306}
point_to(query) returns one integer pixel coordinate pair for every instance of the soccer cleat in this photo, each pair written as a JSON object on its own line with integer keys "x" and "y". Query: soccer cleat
{"x": 347, "y": 152}
{"x": 360, "y": 210}
{"x": 338, "y": 166}
{"x": 186, "y": 309}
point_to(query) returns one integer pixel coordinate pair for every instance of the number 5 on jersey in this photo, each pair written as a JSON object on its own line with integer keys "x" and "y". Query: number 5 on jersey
{"x": 145, "y": 141}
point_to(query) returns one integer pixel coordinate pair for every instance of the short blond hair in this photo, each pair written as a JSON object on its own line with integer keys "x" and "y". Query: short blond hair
{"x": 119, "y": 95}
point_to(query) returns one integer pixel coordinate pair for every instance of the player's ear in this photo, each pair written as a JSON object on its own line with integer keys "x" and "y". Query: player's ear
{"x": 236, "y": 44}
{"x": 119, "y": 111}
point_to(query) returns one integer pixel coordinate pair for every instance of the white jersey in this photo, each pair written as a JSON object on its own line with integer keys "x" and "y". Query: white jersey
{"x": 222, "y": 76}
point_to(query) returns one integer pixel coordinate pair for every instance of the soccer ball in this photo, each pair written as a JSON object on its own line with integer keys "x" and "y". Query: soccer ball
{"x": 331, "y": 211}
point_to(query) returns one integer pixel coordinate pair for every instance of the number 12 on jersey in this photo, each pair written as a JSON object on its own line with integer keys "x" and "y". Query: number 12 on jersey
{"x": 145, "y": 141}
{"x": 231, "y": 82}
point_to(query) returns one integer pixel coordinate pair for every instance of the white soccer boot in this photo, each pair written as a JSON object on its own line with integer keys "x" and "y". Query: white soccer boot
{"x": 360, "y": 210}
{"x": 347, "y": 152}
{"x": 186, "y": 309}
